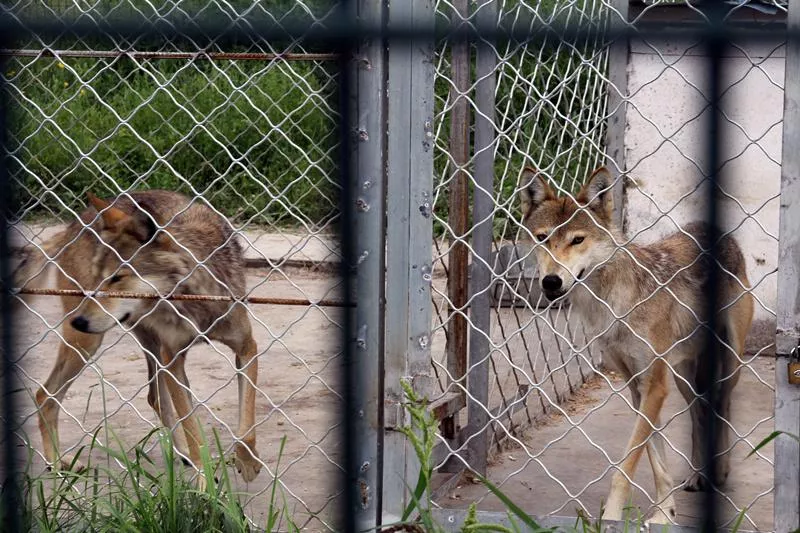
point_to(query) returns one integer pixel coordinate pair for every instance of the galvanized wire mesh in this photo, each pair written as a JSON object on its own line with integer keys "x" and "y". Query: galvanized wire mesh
{"x": 560, "y": 416}
{"x": 253, "y": 138}
{"x": 252, "y": 135}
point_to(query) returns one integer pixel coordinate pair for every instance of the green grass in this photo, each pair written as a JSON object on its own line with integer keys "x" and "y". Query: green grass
{"x": 257, "y": 140}
{"x": 145, "y": 495}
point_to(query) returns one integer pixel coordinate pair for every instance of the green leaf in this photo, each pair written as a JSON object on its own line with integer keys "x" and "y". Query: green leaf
{"x": 513, "y": 507}
{"x": 772, "y": 436}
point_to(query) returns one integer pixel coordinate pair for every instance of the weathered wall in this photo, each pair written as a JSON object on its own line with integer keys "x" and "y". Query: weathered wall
{"x": 667, "y": 120}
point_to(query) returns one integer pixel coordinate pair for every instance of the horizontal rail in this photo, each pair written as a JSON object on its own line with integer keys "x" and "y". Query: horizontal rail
{"x": 213, "y": 56}
{"x": 183, "y": 297}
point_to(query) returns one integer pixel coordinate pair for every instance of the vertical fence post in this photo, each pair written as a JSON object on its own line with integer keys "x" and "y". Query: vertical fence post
{"x": 458, "y": 214}
{"x": 364, "y": 107}
{"x": 482, "y": 217}
{"x": 617, "y": 119}
{"x": 787, "y": 396}
{"x": 409, "y": 251}
{"x": 9, "y": 500}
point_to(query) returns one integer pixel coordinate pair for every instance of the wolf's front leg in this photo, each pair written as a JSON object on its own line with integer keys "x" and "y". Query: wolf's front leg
{"x": 247, "y": 462}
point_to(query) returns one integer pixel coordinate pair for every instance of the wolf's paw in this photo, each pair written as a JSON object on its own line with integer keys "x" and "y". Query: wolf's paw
{"x": 67, "y": 463}
{"x": 247, "y": 463}
{"x": 661, "y": 516}
{"x": 201, "y": 482}
{"x": 696, "y": 482}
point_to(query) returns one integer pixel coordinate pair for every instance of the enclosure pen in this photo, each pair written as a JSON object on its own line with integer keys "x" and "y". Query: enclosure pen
{"x": 358, "y": 198}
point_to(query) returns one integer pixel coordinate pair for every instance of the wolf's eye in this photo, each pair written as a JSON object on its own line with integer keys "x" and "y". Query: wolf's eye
{"x": 541, "y": 237}
{"x": 114, "y": 279}
{"x": 577, "y": 240}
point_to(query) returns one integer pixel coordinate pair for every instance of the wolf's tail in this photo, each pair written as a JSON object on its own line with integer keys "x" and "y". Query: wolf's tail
{"x": 35, "y": 262}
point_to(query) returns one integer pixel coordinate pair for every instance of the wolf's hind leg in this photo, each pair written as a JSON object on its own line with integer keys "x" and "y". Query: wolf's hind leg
{"x": 158, "y": 396}
{"x": 247, "y": 461}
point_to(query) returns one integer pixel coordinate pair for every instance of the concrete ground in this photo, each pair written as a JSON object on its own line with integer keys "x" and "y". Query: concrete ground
{"x": 560, "y": 464}
{"x": 299, "y": 399}
{"x": 557, "y": 464}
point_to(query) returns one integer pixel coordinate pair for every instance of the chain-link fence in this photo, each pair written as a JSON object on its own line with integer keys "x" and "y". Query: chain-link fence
{"x": 171, "y": 150}
{"x": 245, "y": 131}
{"x": 554, "y": 412}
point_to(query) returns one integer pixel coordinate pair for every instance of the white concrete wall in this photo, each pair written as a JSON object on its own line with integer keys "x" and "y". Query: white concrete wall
{"x": 665, "y": 149}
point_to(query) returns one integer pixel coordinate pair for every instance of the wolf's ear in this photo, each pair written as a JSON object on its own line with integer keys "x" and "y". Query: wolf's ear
{"x": 535, "y": 190}
{"x": 596, "y": 193}
{"x": 112, "y": 217}
{"x": 141, "y": 226}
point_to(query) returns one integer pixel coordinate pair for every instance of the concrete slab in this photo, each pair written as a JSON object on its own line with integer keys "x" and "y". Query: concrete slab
{"x": 562, "y": 464}
{"x": 258, "y": 243}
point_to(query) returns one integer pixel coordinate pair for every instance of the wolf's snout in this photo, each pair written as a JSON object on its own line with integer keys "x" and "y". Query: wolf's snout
{"x": 551, "y": 283}
{"x": 81, "y": 324}
{"x": 552, "y": 286}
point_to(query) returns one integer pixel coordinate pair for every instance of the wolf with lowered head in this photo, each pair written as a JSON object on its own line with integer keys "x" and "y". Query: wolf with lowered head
{"x": 149, "y": 242}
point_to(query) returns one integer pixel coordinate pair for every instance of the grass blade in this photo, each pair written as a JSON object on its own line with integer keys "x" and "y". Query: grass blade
{"x": 512, "y": 507}
{"x": 772, "y": 436}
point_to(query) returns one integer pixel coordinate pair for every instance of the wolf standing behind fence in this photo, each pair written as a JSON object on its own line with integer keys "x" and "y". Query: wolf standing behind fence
{"x": 150, "y": 242}
{"x": 657, "y": 293}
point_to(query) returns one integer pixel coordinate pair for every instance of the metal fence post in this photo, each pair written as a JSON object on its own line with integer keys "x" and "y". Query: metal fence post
{"x": 787, "y": 396}
{"x": 10, "y": 499}
{"x": 409, "y": 230}
{"x": 617, "y": 119}
{"x": 365, "y": 74}
{"x": 458, "y": 214}
{"x": 482, "y": 267}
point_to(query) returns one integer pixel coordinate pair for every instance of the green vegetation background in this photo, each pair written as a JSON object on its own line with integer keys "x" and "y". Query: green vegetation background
{"x": 258, "y": 139}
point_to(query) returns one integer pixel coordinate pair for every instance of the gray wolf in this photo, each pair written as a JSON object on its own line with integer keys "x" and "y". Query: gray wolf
{"x": 149, "y": 242}
{"x": 644, "y": 307}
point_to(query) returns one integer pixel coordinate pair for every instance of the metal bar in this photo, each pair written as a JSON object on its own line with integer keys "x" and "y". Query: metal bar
{"x": 351, "y": 512}
{"x": 453, "y": 520}
{"x": 256, "y": 300}
{"x": 617, "y": 120}
{"x": 420, "y": 369}
{"x": 212, "y": 56}
{"x": 482, "y": 233}
{"x": 10, "y": 499}
{"x": 409, "y": 230}
{"x": 338, "y": 29}
{"x": 458, "y": 214}
{"x": 398, "y": 239}
{"x": 787, "y": 397}
{"x": 708, "y": 382}
{"x": 185, "y": 297}
{"x": 367, "y": 185}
